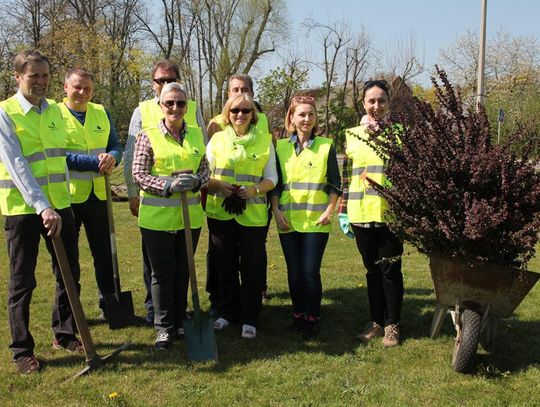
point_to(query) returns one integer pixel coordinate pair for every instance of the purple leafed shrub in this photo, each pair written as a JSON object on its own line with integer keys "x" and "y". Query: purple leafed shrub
{"x": 453, "y": 191}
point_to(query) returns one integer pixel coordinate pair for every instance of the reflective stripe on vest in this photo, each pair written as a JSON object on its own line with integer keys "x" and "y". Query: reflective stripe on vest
{"x": 303, "y": 199}
{"x": 43, "y": 143}
{"x": 88, "y": 139}
{"x": 151, "y": 113}
{"x": 161, "y": 213}
{"x": 239, "y": 165}
{"x": 364, "y": 203}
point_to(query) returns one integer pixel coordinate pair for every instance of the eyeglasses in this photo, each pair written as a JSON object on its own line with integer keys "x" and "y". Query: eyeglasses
{"x": 170, "y": 103}
{"x": 375, "y": 82}
{"x": 237, "y": 110}
{"x": 303, "y": 99}
{"x": 162, "y": 81}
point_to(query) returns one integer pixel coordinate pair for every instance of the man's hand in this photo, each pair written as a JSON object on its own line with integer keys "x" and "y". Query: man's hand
{"x": 106, "y": 163}
{"x": 134, "y": 205}
{"x": 52, "y": 222}
{"x": 184, "y": 182}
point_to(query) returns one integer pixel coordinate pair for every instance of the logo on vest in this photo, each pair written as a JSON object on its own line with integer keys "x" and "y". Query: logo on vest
{"x": 52, "y": 126}
{"x": 309, "y": 166}
{"x": 98, "y": 129}
{"x": 254, "y": 158}
{"x": 195, "y": 153}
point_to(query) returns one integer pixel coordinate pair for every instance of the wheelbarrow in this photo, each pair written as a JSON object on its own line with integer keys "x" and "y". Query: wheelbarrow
{"x": 480, "y": 293}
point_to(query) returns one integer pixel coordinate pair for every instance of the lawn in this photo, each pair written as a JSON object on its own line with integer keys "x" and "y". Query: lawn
{"x": 278, "y": 368}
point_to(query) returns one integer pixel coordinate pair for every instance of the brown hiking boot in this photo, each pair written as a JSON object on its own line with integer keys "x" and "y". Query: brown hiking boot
{"x": 391, "y": 335}
{"x": 372, "y": 330}
{"x": 72, "y": 346}
{"x": 27, "y": 364}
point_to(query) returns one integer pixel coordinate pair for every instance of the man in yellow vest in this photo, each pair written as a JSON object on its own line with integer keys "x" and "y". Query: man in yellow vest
{"x": 238, "y": 83}
{"x": 35, "y": 201}
{"x": 93, "y": 149}
{"x": 147, "y": 115}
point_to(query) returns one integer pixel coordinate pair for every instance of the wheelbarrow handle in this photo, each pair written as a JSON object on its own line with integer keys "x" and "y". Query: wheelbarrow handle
{"x": 112, "y": 236}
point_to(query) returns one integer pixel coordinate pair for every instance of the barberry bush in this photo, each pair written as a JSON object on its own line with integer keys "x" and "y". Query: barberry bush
{"x": 452, "y": 190}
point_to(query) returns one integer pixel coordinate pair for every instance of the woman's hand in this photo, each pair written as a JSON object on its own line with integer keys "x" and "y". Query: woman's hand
{"x": 280, "y": 220}
{"x": 226, "y": 188}
{"x": 325, "y": 218}
{"x": 246, "y": 192}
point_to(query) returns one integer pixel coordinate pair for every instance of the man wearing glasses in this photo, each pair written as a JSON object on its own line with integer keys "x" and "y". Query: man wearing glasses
{"x": 147, "y": 115}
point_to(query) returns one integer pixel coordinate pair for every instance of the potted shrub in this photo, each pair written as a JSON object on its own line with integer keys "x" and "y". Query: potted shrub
{"x": 472, "y": 206}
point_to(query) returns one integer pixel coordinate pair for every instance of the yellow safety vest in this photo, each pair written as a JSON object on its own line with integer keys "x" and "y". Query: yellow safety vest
{"x": 304, "y": 178}
{"x": 262, "y": 122}
{"x": 43, "y": 144}
{"x": 157, "y": 212}
{"x": 90, "y": 139}
{"x": 239, "y": 165}
{"x": 151, "y": 113}
{"x": 364, "y": 203}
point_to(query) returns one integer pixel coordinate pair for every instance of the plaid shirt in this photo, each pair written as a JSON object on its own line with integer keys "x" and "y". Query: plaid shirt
{"x": 143, "y": 160}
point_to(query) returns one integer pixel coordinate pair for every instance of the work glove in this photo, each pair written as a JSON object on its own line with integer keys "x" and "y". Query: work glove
{"x": 234, "y": 205}
{"x": 345, "y": 225}
{"x": 184, "y": 182}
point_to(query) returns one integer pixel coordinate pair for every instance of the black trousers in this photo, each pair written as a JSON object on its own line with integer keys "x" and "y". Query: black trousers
{"x": 238, "y": 248}
{"x": 170, "y": 276}
{"x": 147, "y": 277}
{"x": 93, "y": 215}
{"x": 23, "y": 233}
{"x": 381, "y": 252}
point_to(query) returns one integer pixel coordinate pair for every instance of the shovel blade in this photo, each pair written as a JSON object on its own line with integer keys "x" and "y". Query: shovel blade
{"x": 120, "y": 312}
{"x": 200, "y": 339}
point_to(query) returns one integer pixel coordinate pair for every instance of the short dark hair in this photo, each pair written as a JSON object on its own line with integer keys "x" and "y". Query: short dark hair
{"x": 80, "y": 72}
{"x": 166, "y": 64}
{"x": 28, "y": 56}
{"x": 242, "y": 77}
{"x": 380, "y": 83}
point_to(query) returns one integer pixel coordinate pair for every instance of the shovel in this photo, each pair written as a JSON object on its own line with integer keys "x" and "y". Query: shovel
{"x": 119, "y": 306}
{"x": 93, "y": 361}
{"x": 199, "y": 330}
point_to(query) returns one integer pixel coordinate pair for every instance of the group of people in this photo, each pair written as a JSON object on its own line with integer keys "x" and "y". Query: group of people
{"x": 54, "y": 158}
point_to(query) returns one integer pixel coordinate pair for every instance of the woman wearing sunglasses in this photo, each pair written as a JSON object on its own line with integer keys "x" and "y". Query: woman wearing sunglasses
{"x": 303, "y": 203}
{"x": 243, "y": 170}
{"x": 161, "y": 152}
{"x": 365, "y": 211}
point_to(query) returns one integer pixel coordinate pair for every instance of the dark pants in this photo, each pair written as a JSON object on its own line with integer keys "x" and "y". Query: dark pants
{"x": 22, "y": 237}
{"x": 170, "y": 276}
{"x": 303, "y": 254}
{"x": 212, "y": 278}
{"x": 238, "y": 247}
{"x": 381, "y": 252}
{"x": 93, "y": 215}
{"x": 147, "y": 276}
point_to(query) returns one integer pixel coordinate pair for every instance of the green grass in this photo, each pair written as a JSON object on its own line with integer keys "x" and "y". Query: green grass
{"x": 278, "y": 368}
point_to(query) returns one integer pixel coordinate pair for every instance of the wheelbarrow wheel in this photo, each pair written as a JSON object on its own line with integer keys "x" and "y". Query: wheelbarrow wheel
{"x": 467, "y": 339}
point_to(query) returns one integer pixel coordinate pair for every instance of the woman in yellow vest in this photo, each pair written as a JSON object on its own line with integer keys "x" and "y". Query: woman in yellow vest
{"x": 303, "y": 203}
{"x": 242, "y": 164}
{"x": 366, "y": 212}
{"x": 160, "y": 151}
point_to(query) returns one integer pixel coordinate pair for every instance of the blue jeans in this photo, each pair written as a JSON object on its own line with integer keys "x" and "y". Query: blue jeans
{"x": 303, "y": 254}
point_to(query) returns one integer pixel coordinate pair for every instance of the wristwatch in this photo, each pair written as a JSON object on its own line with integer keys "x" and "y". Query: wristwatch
{"x": 257, "y": 189}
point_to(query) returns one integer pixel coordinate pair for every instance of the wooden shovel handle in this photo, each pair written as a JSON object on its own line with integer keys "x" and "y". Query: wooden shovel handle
{"x": 112, "y": 237}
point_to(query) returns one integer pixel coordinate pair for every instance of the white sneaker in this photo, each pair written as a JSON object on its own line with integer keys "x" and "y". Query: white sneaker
{"x": 249, "y": 332}
{"x": 220, "y": 323}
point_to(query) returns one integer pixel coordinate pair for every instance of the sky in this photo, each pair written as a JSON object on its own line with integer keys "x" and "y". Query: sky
{"x": 434, "y": 23}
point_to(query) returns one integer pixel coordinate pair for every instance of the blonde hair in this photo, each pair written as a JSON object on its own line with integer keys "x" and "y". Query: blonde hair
{"x": 233, "y": 99}
{"x": 295, "y": 102}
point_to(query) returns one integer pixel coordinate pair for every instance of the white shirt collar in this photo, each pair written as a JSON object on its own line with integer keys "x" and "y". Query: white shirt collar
{"x": 27, "y": 106}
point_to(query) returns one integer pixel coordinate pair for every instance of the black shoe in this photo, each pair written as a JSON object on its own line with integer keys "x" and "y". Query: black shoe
{"x": 149, "y": 319}
{"x": 311, "y": 329}
{"x": 163, "y": 341}
{"x": 297, "y": 324}
{"x": 27, "y": 364}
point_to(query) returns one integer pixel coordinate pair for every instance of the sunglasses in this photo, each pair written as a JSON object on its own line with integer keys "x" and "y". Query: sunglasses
{"x": 237, "y": 110}
{"x": 162, "y": 81}
{"x": 303, "y": 99}
{"x": 170, "y": 103}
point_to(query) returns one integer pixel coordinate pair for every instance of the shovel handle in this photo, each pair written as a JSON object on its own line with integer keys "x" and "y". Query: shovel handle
{"x": 189, "y": 252}
{"x": 74, "y": 301}
{"x": 112, "y": 236}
